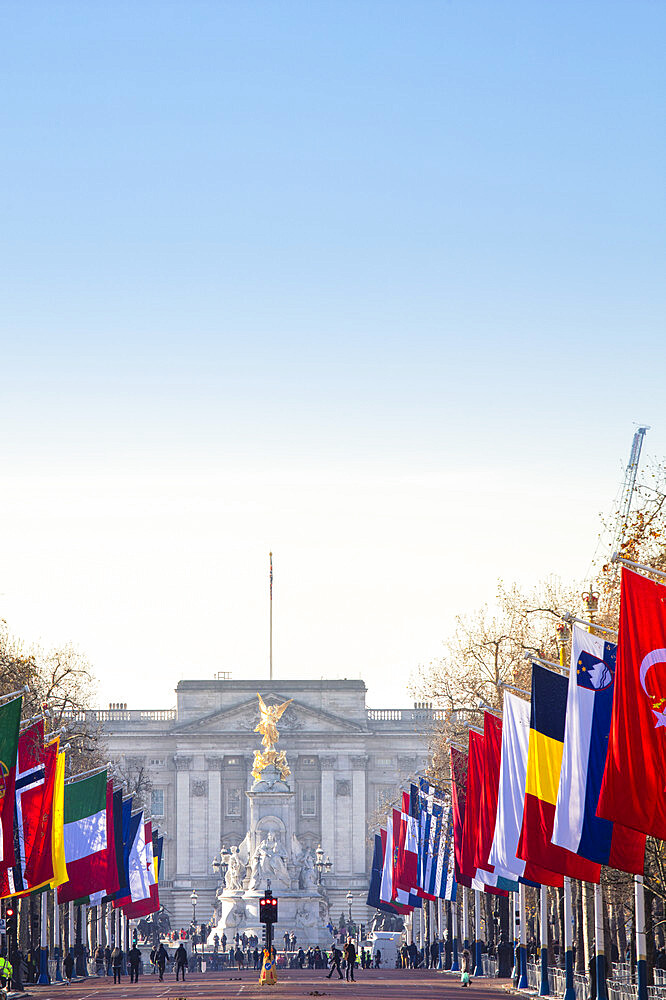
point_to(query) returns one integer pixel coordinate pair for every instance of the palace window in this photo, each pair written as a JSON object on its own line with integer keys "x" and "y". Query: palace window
{"x": 309, "y": 761}
{"x": 233, "y": 802}
{"x": 384, "y": 761}
{"x": 308, "y": 801}
{"x": 157, "y": 762}
{"x": 157, "y": 802}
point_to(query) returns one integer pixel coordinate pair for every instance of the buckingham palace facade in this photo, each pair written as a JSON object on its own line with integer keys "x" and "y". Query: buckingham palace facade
{"x": 347, "y": 762}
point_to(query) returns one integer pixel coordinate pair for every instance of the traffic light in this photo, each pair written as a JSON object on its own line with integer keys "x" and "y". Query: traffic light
{"x": 268, "y": 909}
{"x": 10, "y": 916}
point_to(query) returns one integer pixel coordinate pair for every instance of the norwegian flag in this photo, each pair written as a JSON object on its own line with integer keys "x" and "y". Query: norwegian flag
{"x": 35, "y": 772}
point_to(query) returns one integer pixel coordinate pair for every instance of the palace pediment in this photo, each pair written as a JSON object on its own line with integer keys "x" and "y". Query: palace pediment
{"x": 242, "y": 718}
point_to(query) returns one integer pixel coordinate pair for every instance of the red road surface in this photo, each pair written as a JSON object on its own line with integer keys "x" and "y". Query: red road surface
{"x": 372, "y": 984}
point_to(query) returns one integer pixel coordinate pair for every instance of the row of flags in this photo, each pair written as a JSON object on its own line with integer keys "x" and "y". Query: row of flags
{"x": 80, "y": 837}
{"x": 560, "y": 785}
{"x": 413, "y": 857}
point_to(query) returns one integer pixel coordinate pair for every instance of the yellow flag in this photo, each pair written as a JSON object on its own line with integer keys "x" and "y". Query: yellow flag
{"x": 57, "y": 828}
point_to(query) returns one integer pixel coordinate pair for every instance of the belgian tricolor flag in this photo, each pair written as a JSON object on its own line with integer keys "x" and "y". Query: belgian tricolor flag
{"x": 544, "y": 762}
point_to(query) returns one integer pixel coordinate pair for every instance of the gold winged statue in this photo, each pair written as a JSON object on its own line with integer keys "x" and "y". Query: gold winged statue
{"x": 267, "y": 726}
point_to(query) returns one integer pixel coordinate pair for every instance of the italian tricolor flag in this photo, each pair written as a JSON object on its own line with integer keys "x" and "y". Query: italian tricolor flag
{"x": 87, "y": 837}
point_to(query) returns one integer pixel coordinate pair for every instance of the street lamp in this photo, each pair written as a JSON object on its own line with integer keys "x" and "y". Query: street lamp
{"x": 193, "y": 900}
{"x": 221, "y": 864}
{"x": 350, "y": 900}
{"x": 322, "y": 866}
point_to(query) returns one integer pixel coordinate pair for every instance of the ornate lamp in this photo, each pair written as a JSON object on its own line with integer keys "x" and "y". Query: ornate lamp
{"x": 322, "y": 866}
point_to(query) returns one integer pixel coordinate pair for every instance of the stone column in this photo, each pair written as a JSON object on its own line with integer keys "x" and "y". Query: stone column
{"x": 328, "y": 806}
{"x": 182, "y": 814}
{"x": 359, "y": 768}
{"x": 343, "y": 860}
{"x": 214, "y": 768}
{"x": 199, "y": 857}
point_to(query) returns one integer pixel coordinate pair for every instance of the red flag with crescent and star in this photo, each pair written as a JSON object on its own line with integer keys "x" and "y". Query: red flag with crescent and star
{"x": 633, "y": 791}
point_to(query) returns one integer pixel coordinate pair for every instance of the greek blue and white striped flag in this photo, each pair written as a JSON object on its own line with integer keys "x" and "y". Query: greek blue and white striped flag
{"x": 436, "y": 857}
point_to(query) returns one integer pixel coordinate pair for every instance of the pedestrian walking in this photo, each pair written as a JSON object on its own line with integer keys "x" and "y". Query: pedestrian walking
{"x": 161, "y": 961}
{"x": 134, "y": 958}
{"x": 466, "y": 968}
{"x": 116, "y": 962}
{"x": 99, "y": 961}
{"x": 350, "y": 958}
{"x": 180, "y": 961}
{"x": 334, "y": 962}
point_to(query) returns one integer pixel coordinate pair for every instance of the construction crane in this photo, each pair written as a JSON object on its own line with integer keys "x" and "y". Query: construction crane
{"x": 627, "y": 494}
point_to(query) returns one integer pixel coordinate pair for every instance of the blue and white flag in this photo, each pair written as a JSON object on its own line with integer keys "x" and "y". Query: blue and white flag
{"x": 589, "y": 704}
{"x": 436, "y": 860}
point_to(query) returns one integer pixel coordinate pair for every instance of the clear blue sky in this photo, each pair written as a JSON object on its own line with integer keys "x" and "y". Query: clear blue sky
{"x": 260, "y": 252}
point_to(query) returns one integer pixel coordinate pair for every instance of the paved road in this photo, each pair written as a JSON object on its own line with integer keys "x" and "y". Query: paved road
{"x": 389, "y": 984}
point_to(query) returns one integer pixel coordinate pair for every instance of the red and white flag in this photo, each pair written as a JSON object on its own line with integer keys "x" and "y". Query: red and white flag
{"x": 405, "y": 872}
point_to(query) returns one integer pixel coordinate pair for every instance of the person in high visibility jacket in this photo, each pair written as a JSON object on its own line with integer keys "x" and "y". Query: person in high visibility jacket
{"x": 5, "y": 971}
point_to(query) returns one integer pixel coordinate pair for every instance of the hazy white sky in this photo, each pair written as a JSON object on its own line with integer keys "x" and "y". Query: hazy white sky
{"x": 378, "y": 286}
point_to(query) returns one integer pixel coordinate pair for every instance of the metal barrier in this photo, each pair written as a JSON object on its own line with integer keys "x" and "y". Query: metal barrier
{"x": 557, "y": 981}
{"x": 489, "y": 966}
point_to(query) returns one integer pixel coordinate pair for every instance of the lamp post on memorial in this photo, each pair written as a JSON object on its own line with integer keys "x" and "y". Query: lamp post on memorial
{"x": 221, "y": 864}
{"x": 321, "y": 866}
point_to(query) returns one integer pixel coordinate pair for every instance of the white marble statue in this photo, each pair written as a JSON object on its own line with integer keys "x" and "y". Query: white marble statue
{"x": 270, "y": 862}
{"x": 236, "y": 871}
{"x": 308, "y": 877}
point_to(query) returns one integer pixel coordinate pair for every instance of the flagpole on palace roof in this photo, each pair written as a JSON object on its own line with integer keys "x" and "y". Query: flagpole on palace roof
{"x": 270, "y": 602}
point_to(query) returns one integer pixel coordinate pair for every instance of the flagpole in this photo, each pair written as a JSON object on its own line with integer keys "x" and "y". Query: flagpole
{"x": 515, "y": 934}
{"x": 455, "y": 967}
{"x": 86, "y": 774}
{"x": 634, "y": 565}
{"x": 600, "y": 958}
{"x": 70, "y": 943}
{"x": 270, "y": 603}
{"x": 544, "y": 989}
{"x": 465, "y": 919}
{"x": 522, "y": 950}
{"x": 57, "y": 916}
{"x": 641, "y": 950}
{"x": 569, "y": 991}
{"x": 478, "y": 959}
{"x": 14, "y": 694}
{"x": 43, "y": 943}
{"x": 83, "y": 918}
{"x": 440, "y": 934}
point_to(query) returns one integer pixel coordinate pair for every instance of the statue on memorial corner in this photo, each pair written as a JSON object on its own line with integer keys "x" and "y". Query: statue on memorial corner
{"x": 308, "y": 877}
{"x": 270, "y": 862}
{"x": 267, "y": 726}
{"x": 235, "y": 871}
